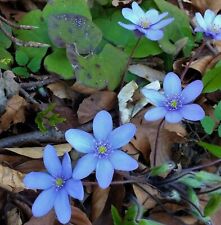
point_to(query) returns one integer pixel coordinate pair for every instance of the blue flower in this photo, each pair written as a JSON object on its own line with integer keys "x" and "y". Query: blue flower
{"x": 175, "y": 104}
{"x": 103, "y": 149}
{"x": 210, "y": 24}
{"x": 57, "y": 184}
{"x": 148, "y": 23}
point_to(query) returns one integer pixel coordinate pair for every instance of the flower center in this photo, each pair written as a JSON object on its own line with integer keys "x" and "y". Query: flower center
{"x": 59, "y": 182}
{"x": 174, "y": 103}
{"x": 102, "y": 149}
{"x": 144, "y": 23}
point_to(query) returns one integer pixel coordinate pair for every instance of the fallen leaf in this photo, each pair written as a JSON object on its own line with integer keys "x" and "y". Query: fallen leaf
{"x": 94, "y": 103}
{"x": 11, "y": 180}
{"x": 13, "y": 217}
{"x": 59, "y": 89}
{"x": 201, "y": 63}
{"x": 80, "y": 88}
{"x": 15, "y": 112}
{"x": 37, "y": 152}
{"x": 78, "y": 217}
{"x": 146, "y": 72}
{"x": 203, "y": 5}
{"x": 99, "y": 198}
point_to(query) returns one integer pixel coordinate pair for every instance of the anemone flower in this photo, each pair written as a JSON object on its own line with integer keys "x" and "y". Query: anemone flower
{"x": 175, "y": 104}
{"x": 102, "y": 149}
{"x": 57, "y": 184}
{"x": 148, "y": 23}
{"x": 209, "y": 25}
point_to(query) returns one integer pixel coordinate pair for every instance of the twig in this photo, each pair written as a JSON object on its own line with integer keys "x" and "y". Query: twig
{"x": 17, "y": 26}
{"x": 87, "y": 183}
{"x": 20, "y": 42}
{"x": 192, "y": 59}
{"x": 156, "y": 143}
{"x": 28, "y": 97}
{"x": 209, "y": 191}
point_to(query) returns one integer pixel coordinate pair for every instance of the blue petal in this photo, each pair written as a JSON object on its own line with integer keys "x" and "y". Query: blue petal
{"x": 161, "y": 16}
{"x": 217, "y": 21}
{"x": 153, "y": 96}
{"x": 102, "y": 125}
{"x": 154, "y": 35}
{"x": 51, "y": 161}
{"x": 128, "y": 26}
{"x": 62, "y": 206}
{"x": 80, "y": 140}
{"x": 200, "y": 21}
{"x": 192, "y": 91}
{"x": 173, "y": 117}
{"x": 121, "y": 135}
{"x": 155, "y": 114}
{"x": 38, "y": 180}
{"x": 122, "y": 161}
{"x": 104, "y": 173}
{"x": 192, "y": 112}
{"x": 217, "y": 37}
{"x": 137, "y": 10}
{"x": 129, "y": 15}
{"x": 75, "y": 189}
{"x": 66, "y": 166}
{"x": 85, "y": 166}
{"x": 172, "y": 84}
{"x": 162, "y": 23}
{"x": 44, "y": 202}
{"x": 209, "y": 16}
{"x": 152, "y": 16}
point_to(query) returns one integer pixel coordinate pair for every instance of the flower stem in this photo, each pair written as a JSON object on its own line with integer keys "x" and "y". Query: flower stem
{"x": 156, "y": 142}
{"x": 128, "y": 62}
{"x": 192, "y": 59}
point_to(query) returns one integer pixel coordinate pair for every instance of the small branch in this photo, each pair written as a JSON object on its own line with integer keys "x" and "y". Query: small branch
{"x": 20, "y": 42}
{"x": 17, "y": 26}
{"x": 28, "y": 97}
{"x": 209, "y": 191}
{"x": 192, "y": 59}
{"x": 88, "y": 183}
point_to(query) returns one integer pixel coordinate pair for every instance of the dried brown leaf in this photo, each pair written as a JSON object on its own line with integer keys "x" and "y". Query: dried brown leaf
{"x": 15, "y": 112}
{"x": 10, "y": 179}
{"x": 59, "y": 89}
{"x": 93, "y": 104}
{"x": 78, "y": 217}
{"x": 37, "y": 152}
{"x": 99, "y": 198}
{"x": 13, "y": 217}
{"x": 203, "y": 5}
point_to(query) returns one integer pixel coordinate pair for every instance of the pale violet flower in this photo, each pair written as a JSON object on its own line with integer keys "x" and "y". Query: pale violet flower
{"x": 210, "y": 24}
{"x": 175, "y": 104}
{"x": 57, "y": 184}
{"x": 102, "y": 149}
{"x": 148, "y": 23}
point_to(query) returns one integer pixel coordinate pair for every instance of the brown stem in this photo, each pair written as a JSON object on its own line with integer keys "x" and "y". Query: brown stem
{"x": 192, "y": 59}
{"x": 156, "y": 143}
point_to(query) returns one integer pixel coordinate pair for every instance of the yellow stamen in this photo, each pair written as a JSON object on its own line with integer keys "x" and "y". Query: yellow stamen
{"x": 102, "y": 149}
{"x": 173, "y": 103}
{"x": 59, "y": 182}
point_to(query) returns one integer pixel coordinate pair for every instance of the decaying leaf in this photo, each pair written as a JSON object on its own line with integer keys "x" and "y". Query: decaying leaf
{"x": 13, "y": 217}
{"x": 59, "y": 89}
{"x": 15, "y": 112}
{"x": 10, "y": 179}
{"x": 143, "y": 197}
{"x": 78, "y": 217}
{"x": 146, "y": 72}
{"x": 94, "y": 103}
{"x": 203, "y": 5}
{"x": 128, "y": 107}
{"x": 99, "y": 198}
{"x": 37, "y": 152}
{"x": 201, "y": 63}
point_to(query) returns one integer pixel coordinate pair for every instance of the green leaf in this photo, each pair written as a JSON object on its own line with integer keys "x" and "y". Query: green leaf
{"x": 148, "y": 222}
{"x": 102, "y": 70}
{"x": 130, "y": 216}
{"x": 217, "y": 111}
{"x": 219, "y": 130}
{"x": 214, "y": 149}
{"x": 21, "y": 71}
{"x": 179, "y": 28}
{"x": 74, "y": 29}
{"x": 126, "y": 39}
{"x": 162, "y": 169}
{"x": 213, "y": 205}
{"x": 55, "y": 7}
{"x": 6, "y": 59}
{"x": 116, "y": 216}
{"x": 207, "y": 178}
{"x": 212, "y": 80}
{"x": 39, "y": 34}
{"x": 58, "y": 63}
{"x": 35, "y": 64}
{"x": 208, "y": 124}
{"x": 191, "y": 181}
{"x": 5, "y": 42}
{"x": 21, "y": 58}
